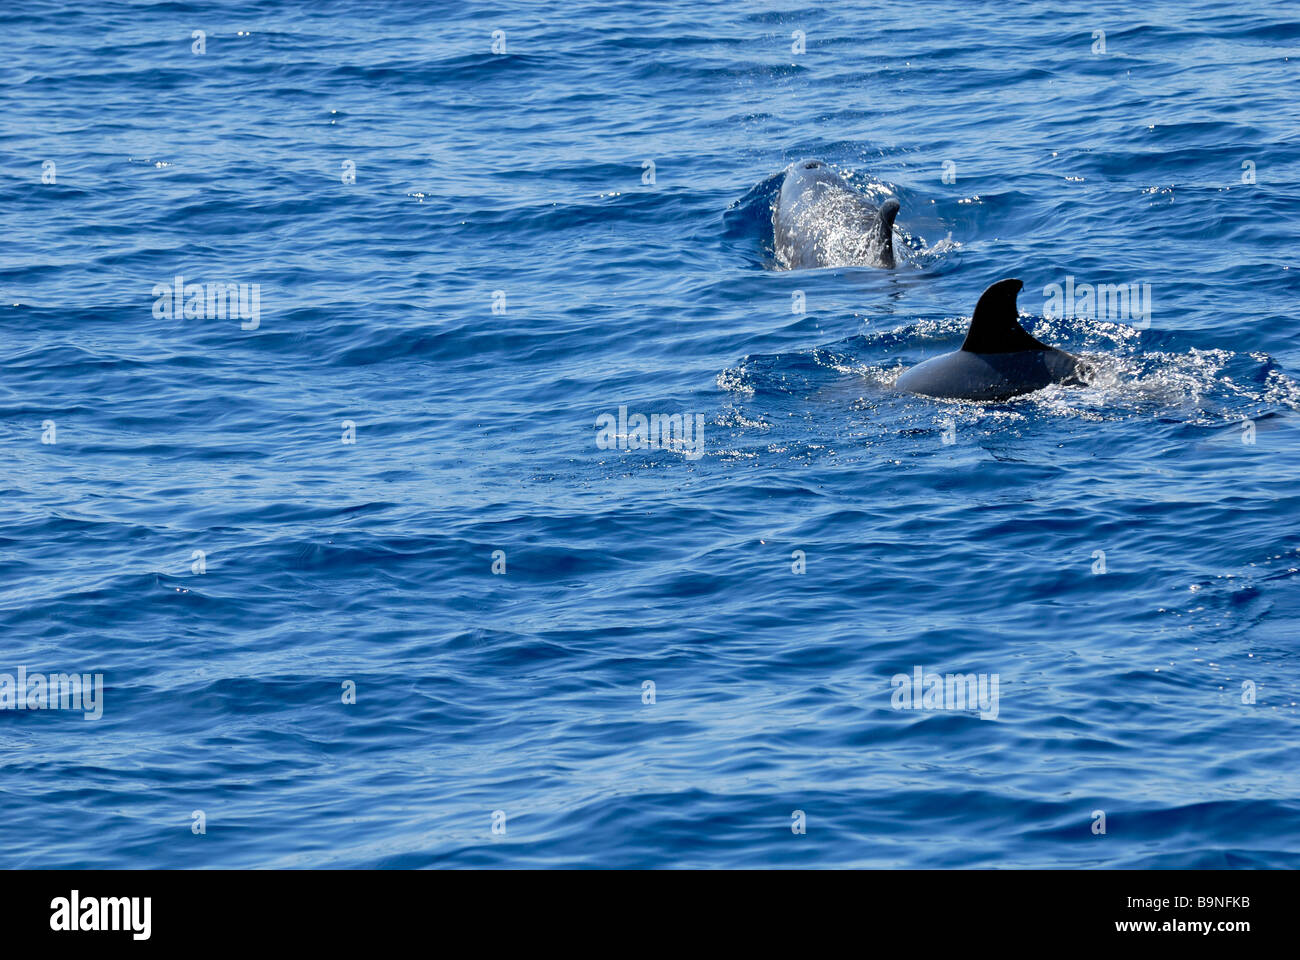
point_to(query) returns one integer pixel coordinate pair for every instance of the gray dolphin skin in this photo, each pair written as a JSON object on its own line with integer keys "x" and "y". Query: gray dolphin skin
{"x": 820, "y": 221}
{"x": 998, "y": 359}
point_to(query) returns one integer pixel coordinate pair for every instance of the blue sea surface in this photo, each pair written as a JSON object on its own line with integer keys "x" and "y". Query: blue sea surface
{"x": 465, "y": 257}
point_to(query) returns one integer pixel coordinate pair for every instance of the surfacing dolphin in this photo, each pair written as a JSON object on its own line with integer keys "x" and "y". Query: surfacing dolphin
{"x": 820, "y": 221}
{"x": 998, "y": 359}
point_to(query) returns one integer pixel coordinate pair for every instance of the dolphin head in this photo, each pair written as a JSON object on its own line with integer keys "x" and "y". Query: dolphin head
{"x": 803, "y": 173}
{"x": 820, "y": 220}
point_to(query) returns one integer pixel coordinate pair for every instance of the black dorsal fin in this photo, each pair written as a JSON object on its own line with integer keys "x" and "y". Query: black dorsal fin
{"x": 996, "y": 328}
{"x": 885, "y": 230}
{"x": 888, "y": 211}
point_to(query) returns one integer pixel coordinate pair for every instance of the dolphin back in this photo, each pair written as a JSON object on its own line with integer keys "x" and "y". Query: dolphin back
{"x": 963, "y": 375}
{"x": 999, "y": 359}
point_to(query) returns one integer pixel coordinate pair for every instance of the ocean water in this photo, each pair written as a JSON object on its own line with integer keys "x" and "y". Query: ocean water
{"x": 464, "y": 258}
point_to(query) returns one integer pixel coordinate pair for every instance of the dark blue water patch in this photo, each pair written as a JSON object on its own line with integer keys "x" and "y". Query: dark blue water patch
{"x": 497, "y": 587}
{"x": 747, "y": 223}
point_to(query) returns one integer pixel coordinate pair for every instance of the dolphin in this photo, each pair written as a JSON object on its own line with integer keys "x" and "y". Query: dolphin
{"x": 998, "y": 359}
{"x": 818, "y": 220}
